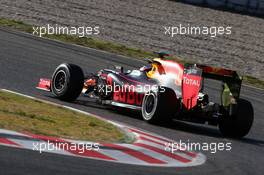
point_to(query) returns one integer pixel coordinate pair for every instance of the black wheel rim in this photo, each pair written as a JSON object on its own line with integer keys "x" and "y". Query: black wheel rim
{"x": 59, "y": 80}
{"x": 150, "y": 104}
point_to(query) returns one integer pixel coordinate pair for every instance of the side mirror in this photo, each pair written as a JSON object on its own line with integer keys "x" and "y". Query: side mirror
{"x": 119, "y": 69}
{"x": 149, "y": 60}
{"x": 162, "y": 54}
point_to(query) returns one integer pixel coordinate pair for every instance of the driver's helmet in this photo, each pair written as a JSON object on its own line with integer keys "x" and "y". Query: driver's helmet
{"x": 146, "y": 68}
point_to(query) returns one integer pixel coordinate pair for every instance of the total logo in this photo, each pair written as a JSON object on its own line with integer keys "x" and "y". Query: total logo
{"x": 191, "y": 82}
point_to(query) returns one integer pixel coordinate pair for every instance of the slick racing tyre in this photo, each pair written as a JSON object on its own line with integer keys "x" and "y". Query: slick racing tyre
{"x": 159, "y": 106}
{"x": 67, "y": 82}
{"x": 238, "y": 126}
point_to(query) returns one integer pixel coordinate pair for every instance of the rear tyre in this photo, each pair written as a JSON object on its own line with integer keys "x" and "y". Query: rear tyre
{"x": 67, "y": 82}
{"x": 159, "y": 106}
{"x": 239, "y": 125}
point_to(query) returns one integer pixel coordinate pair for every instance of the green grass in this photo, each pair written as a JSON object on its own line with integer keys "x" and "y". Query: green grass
{"x": 23, "y": 114}
{"x": 102, "y": 45}
{"x": 253, "y": 81}
{"x": 18, "y": 25}
{"x": 108, "y": 46}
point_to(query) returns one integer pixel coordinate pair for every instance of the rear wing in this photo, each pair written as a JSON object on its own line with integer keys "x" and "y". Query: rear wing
{"x": 218, "y": 73}
{"x": 231, "y": 82}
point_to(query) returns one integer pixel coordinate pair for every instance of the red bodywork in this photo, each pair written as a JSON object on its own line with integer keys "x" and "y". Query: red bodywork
{"x": 44, "y": 84}
{"x": 190, "y": 90}
{"x": 189, "y": 83}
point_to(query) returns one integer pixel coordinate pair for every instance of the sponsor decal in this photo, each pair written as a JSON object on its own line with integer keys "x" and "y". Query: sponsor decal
{"x": 192, "y": 82}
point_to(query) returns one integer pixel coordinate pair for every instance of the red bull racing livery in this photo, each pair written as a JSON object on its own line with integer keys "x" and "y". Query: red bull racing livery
{"x": 163, "y": 90}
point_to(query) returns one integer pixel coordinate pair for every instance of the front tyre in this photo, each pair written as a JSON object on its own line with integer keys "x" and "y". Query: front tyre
{"x": 67, "y": 82}
{"x": 238, "y": 125}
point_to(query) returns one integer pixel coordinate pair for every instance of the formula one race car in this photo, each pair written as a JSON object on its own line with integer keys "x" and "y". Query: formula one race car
{"x": 161, "y": 91}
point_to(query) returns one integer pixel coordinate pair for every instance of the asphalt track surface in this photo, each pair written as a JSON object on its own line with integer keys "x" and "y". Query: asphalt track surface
{"x": 25, "y": 58}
